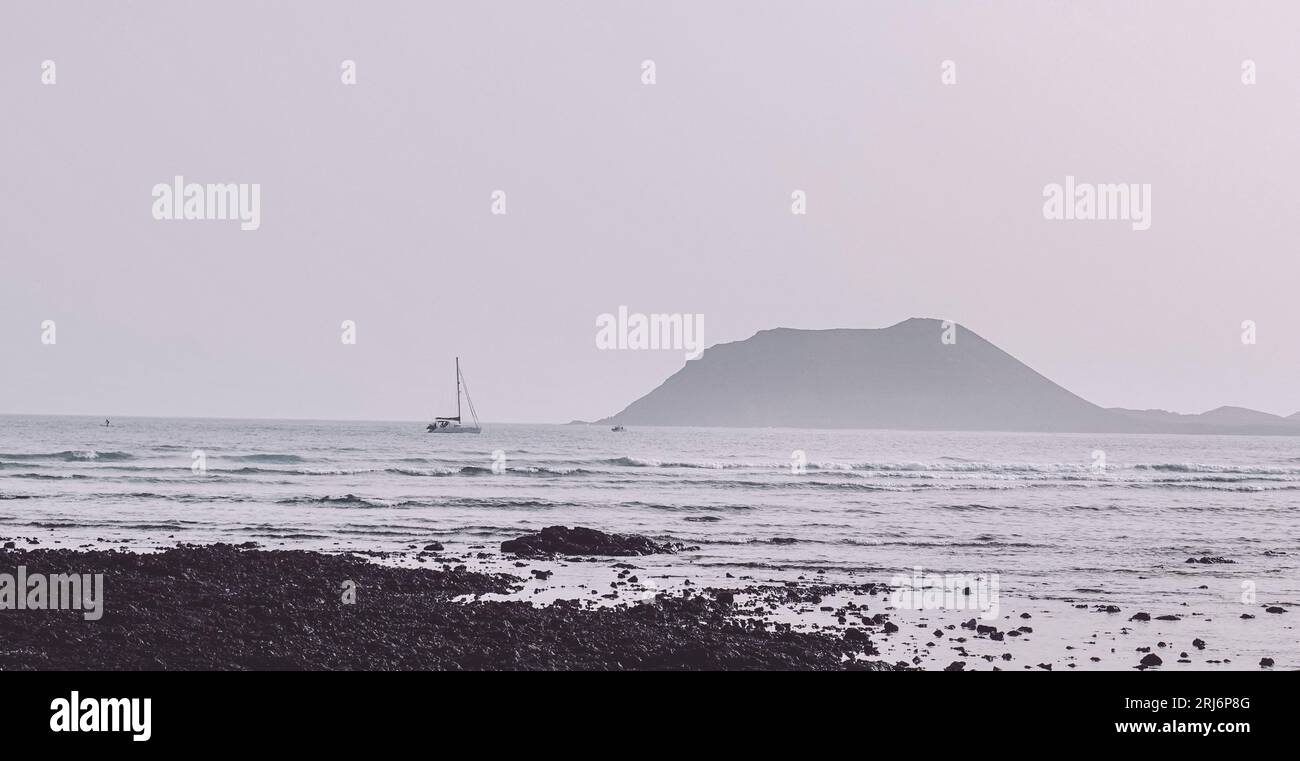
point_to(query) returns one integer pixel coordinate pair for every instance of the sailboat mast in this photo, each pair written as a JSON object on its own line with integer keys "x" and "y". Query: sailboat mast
{"x": 458, "y": 388}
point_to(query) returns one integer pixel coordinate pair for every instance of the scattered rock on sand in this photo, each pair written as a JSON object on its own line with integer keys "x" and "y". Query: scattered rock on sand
{"x": 1151, "y": 659}
{"x": 221, "y": 608}
{"x": 1139, "y": 616}
{"x": 1266, "y": 663}
{"x": 1208, "y": 560}
{"x": 562, "y": 540}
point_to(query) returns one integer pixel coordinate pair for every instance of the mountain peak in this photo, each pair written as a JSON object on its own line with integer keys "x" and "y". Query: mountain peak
{"x": 902, "y": 376}
{"x": 912, "y": 375}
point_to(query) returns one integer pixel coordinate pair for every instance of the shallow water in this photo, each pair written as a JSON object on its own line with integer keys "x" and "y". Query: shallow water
{"x": 1043, "y": 511}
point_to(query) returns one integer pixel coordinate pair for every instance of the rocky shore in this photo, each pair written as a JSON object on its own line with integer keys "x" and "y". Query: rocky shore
{"x": 227, "y": 607}
{"x": 564, "y": 598}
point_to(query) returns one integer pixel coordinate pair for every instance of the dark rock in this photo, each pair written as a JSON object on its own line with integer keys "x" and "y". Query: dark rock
{"x": 1140, "y": 617}
{"x": 1151, "y": 659}
{"x": 562, "y": 540}
{"x": 433, "y": 547}
{"x": 1274, "y": 609}
{"x": 1266, "y": 663}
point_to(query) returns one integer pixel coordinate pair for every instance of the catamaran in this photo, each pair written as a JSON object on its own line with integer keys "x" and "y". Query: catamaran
{"x": 454, "y": 424}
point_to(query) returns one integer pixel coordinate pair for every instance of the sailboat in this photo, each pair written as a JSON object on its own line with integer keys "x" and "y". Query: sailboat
{"x": 454, "y": 424}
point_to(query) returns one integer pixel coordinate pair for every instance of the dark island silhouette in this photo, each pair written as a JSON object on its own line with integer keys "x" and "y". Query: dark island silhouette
{"x": 903, "y": 377}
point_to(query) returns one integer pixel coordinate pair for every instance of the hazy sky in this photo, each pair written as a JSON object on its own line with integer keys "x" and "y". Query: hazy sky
{"x": 923, "y": 199}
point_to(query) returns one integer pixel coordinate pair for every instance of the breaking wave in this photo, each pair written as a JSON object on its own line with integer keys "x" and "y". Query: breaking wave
{"x": 68, "y": 455}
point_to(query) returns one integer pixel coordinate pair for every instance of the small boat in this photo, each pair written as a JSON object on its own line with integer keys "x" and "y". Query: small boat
{"x": 618, "y": 429}
{"x": 106, "y": 424}
{"x": 454, "y": 424}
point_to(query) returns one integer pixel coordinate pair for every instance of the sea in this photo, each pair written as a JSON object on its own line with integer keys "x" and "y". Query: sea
{"x": 1067, "y": 523}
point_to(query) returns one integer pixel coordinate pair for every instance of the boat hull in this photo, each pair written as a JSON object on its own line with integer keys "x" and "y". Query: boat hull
{"x": 455, "y": 429}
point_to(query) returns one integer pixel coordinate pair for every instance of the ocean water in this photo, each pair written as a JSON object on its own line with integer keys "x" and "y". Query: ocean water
{"x": 1043, "y": 511}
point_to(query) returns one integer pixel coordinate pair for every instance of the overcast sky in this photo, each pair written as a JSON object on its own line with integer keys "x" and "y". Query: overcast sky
{"x": 923, "y": 199}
